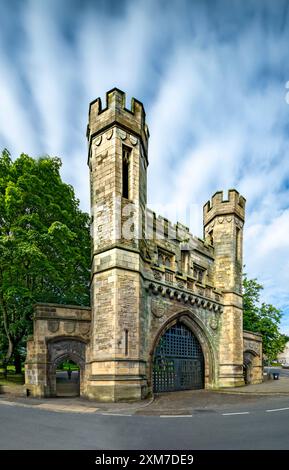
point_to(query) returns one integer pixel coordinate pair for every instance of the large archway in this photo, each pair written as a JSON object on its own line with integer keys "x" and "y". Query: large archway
{"x": 178, "y": 361}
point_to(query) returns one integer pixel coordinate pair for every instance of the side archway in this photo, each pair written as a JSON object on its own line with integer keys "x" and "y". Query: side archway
{"x": 62, "y": 349}
{"x": 201, "y": 351}
{"x": 251, "y": 367}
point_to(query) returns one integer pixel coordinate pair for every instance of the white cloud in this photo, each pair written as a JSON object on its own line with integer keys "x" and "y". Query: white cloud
{"x": 267, "y": 250}
{"x": 212, "y": 79}
{"x": 15, "y": 127}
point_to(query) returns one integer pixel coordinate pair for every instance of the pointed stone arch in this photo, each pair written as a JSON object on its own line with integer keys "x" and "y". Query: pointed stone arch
{"x": 64, "y": 348}
{"x": 188, "y": 318}
{"x": 251, "y": 367}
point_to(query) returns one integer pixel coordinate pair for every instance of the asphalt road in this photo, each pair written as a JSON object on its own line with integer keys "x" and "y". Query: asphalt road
{"x": 256, "y": 428}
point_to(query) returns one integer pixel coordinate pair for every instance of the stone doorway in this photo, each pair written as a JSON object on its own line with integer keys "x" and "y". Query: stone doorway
{"x": 178, "y": 361}
{"x": 62, "y": 379}
{"x": 249, "y": 367}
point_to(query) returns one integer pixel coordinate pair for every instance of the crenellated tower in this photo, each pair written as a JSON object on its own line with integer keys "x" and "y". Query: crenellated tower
{"x": 223, "y": 228}
{"x": 166, "y": 307}
{"x": 118, "y": 146}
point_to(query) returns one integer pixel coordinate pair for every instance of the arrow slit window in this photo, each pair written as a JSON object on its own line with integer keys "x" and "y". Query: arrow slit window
{"x": 126, "y": 162}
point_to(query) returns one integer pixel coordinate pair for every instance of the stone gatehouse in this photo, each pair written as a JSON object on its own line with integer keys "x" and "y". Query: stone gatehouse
{"x": 166, "y": 307}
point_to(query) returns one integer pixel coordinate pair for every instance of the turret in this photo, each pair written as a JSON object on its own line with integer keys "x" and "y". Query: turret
{"x": 223, "y": 228}
{"x": 115, "y": 113}
{"x": 117, "y": 158}
{"x": 118, "y": 145}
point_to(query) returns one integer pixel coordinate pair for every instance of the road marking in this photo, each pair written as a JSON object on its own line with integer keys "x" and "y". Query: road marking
{"x": 175, "y": 416}
{"x": 114, "y": 414}
{"x": 240, "y": 413}
{"x": 277, "y": 409}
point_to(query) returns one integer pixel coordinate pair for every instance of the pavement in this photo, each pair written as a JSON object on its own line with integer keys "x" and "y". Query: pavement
{"x": 268, "y": 387}
{"x": 70, "y": 405}
{"x": 174, "y": 403}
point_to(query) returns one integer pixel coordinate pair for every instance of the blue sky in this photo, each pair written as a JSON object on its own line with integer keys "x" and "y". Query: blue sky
{"x": 213, "y": 78}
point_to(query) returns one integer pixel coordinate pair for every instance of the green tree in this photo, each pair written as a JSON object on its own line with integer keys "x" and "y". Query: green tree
{"x": 263, "y": 318}
{"x": 44, "y": 244}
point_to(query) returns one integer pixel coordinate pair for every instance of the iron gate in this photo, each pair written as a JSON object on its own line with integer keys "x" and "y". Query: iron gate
{"x": 178, "y": 361}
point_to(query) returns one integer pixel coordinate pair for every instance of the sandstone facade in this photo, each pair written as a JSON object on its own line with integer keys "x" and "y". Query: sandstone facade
{"x": 155, "y": 288}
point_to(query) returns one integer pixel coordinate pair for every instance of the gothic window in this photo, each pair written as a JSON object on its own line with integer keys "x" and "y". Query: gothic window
{"x": 185, "y": 261}
{"x": 168, "y": 262}
{"x": 165, "y": 259}
{"x": 160, "y": 259}
{"x": 211, "y": 238}
{"x": 199, "y": 273}
{"x": 126, "y": 153}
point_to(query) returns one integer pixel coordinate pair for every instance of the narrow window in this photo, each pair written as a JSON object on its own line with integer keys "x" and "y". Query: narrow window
{"x": 184, "y": 261}
{"x": 125, "y": 172}
{"x": 199, "y": 274}
{"x": 211, "y": 238}
{"x": 126, "y": 342}
{"x": 238, "y": 244}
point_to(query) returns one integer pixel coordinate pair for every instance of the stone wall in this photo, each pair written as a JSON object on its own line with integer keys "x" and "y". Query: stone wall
{"x": 60, "y": 332}
{"x": 253, "y": 357}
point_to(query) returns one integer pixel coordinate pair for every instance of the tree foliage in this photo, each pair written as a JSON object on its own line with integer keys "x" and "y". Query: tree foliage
{"x": 44, "y": 244}
{"x": 263, "y": 318}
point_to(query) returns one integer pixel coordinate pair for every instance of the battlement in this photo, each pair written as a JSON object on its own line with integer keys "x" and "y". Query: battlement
{"x": 163, "y": 227}
{"x": 235, "y": 204}
{"x": 160, "y": 228}
{"x": 115, "y": 113}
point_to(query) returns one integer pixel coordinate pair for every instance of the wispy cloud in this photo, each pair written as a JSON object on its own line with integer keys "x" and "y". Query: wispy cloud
{"x": 212, "y": 76}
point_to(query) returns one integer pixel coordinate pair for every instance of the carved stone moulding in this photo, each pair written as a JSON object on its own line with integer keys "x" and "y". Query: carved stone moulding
{"x": 133, "y": 139}
{"x": 98, "y": 140}
{"x": 172, "y": 293}
{"x": 109, "y": 134}
{"x": 251, "y": 345}
{"x": 53, "y": 326}
{"x": 84, "y": 328}
{"x": 122, "y": 134}
{"x": 65, "y": 347}
{"x": 157, "y": 308}
{"x": 157, "y": 275}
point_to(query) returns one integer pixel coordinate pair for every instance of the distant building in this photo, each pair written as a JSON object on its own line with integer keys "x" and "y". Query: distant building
{"x": 283, "y": 357}
{"x": 166, "y": 307}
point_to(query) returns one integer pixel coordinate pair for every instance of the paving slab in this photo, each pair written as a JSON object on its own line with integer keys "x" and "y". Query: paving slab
{"x": 267, "y": 387}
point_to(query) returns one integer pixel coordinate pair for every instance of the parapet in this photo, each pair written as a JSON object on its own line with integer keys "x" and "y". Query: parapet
{"x": 115, "y": 112}
{"x": 164, "y": 228}
{"x": 160, "y": 228}
{"x": 235, "y": 204}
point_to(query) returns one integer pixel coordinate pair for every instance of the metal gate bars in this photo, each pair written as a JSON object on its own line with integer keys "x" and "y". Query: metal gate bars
{"x": 178, "y": 361}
